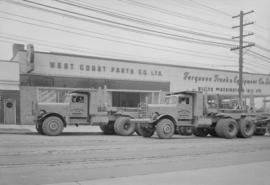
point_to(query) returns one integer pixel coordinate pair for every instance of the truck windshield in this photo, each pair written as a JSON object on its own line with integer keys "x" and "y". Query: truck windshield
{"x": 67, "y": 98}
{"x": 170, "y": 100}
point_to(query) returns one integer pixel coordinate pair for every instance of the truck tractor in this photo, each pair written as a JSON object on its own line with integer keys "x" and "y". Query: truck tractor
{"x": 83, "y": 108}
{"x": 186, "y": 113}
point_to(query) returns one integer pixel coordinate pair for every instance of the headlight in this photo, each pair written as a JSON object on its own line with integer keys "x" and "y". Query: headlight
{"x": 41, "y": 112}
{"x": 154, "y": 115}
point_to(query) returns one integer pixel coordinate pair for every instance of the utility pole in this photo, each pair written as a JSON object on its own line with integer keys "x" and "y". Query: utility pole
{"x": 240, "y": 48}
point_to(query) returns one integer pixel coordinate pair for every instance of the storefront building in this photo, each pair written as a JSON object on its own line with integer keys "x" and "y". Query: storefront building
{"x": 129, "y": 81}
{"x": 9, "y": 92}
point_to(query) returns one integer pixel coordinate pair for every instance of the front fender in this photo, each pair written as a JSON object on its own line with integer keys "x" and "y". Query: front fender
{"x": 162, "y": 116}
{"x": 42, "y": 117}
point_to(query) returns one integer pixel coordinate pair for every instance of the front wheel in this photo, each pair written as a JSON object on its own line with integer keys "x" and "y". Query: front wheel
{"x": 52, "y": 126}
{"x": 165, "y": 129}
{"x": 123, "y": 127}
{"x": 145, "y": 130}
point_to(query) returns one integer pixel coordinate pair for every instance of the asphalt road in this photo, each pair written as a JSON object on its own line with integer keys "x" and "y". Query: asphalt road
{"x": 78, "y": 155}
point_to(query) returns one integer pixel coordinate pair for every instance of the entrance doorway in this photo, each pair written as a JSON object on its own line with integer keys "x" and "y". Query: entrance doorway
{"x": 9, "y": 111}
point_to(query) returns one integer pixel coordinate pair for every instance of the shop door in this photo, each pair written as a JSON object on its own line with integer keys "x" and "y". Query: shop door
{"x": 9, "y": 111}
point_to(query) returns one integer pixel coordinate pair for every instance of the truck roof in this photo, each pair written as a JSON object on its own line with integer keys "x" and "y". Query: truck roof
{"x": 184, "y": 92}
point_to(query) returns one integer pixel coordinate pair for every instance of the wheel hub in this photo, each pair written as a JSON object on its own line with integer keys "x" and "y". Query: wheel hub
{"x": 126, "y": 126}
{"x": 231, "y": 127}
{"x": 248, "y": 127}
{"x": 53, "y": 125}
{"x": 167, "y": 129}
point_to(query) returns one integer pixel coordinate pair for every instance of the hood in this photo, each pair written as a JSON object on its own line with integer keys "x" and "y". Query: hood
{"x": 60, "y": 108}
{"x": 161, "y": 108}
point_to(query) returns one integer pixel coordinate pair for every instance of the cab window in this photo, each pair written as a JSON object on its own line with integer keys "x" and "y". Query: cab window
{"x": 187, "y": 101}
{"x": 77, "y": 99}
{"x": 183, "y": 100}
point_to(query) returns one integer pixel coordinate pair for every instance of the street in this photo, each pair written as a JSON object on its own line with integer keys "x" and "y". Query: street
{"x": 84, "y": 153}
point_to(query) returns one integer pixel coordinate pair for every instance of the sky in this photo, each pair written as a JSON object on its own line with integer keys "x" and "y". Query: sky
{"x": 180, "y": 32}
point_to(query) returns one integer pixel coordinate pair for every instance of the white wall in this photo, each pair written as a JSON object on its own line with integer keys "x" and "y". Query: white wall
{"x": 180, "y": 78}
{"x": 9, "y": 75}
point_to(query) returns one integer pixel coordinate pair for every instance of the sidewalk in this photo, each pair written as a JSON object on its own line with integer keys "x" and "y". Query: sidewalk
{"x": 21, "y": 129}
{"x": 16, "y": 129}
{"x": 245, "y": 174}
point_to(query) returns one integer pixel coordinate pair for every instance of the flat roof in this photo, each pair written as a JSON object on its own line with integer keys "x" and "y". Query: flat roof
{"x": 137, "y": 62}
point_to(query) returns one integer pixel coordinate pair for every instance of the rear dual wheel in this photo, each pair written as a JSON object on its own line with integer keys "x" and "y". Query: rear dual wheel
{"x": 123, "y": 127}
{"x": 186, "y": 131}
{"x": 145, "y": 130}
{"x": 108, "y": 129}
{"x": 260, "y": 132}
{"x": 201, "y": 132}
{"x": 226, "y": 128}
{"x": 246, "y": 128}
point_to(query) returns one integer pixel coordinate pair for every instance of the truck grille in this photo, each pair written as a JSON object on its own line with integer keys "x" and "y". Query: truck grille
{"x": 142, "y": 111}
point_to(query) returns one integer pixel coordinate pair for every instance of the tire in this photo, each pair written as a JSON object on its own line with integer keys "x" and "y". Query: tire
{"x": 268, "y": 128}
{"x": 219, "y": 127}
{"x": 213, "y": 133}
{"x": 188, "y": 131}
{"x": 145, "y": 131}
{"x": 227, "y": 128}
{"x": 246, "y": 128}
{"x": 123, "y": 127}
{"x": 165, "y": 129}
{"x": 52, "y": 126}
{"x": 137, "y": 130}
{"x": 260, "y": 132}
{"x": 201, "y": 132}
{"x": 185, "y": 131}
{"x": 39, "y": 128}
{"x": 108, "y": 129}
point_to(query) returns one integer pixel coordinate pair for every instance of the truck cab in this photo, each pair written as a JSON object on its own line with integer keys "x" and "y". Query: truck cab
{"x": 78, "y": 108}
{"x": 83, "y": 108}
{"x": 178, "y": 113}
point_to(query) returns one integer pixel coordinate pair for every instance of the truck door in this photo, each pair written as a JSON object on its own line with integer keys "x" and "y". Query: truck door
{"x": 185, "y": 107}
{"x": 79, "y": 106}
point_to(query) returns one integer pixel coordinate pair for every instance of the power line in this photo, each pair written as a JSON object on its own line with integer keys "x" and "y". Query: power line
{"x": 153, "y": 19}
{"x": 255, "y": 63}
{"x": 258, "y": 57}
{"x": 211, "y": 8}
{"x": 262, "y": 48}
{"x": 134, "y": 19}
{"x": 164, "y": 49}
{"x": 177, "y": 14}
{"x": 129, "y": 27}
{"x": 258, "y": 54}
{"x": 229, "y": 15}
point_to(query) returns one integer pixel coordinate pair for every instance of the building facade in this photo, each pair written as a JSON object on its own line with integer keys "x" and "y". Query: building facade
{"x": 128, "y": 81}
{"x": 9, "y": 93}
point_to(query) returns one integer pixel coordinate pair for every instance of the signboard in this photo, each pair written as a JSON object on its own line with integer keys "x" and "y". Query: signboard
{"x": 180, "y": 78}
{"x": 30, "y": 58}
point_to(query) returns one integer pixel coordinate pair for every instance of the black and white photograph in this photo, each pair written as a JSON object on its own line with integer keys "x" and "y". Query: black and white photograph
{"x": 134, "y": 92}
